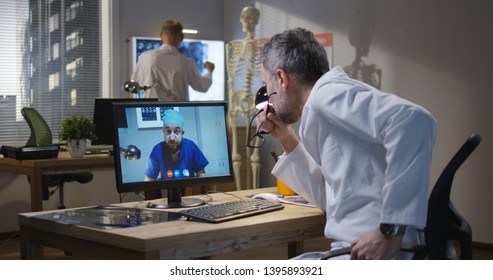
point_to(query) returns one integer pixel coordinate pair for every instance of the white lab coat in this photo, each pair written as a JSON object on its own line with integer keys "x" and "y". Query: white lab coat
{"x": 364, "y": 158}
{"x": 172, "y": 70}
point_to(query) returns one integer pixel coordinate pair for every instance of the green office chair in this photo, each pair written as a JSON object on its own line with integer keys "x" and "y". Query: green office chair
{"x": 41, "y": 136}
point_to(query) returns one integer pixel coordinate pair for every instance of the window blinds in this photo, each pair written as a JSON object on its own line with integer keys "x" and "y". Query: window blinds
{"x": 50, "y": 59}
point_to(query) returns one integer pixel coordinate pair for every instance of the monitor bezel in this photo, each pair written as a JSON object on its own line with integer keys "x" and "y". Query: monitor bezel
{"x": 125, "y": 187}
{"x": 100, "y": 119}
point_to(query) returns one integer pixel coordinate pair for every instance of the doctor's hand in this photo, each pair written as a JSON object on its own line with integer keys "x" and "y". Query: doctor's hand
{"x": 284, "y": 133}
{"x": 209, "y": 66}
{"x": 375, "y": 246}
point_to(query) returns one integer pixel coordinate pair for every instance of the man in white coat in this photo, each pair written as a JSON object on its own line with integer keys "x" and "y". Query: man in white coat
{"x": 363, "y": 156}
{"x": 168, "y": 71}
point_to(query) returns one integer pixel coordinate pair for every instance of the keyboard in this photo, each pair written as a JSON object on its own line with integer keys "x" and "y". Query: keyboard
{"x": 216, "y": 213}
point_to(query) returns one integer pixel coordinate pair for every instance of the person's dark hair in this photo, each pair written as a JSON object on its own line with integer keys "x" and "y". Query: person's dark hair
{"x": 172, "y": 28}
{"x": 298, "y": 53}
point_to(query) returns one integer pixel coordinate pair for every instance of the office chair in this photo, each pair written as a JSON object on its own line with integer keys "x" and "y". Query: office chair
{"x": 41, "y": 136}
{"x": 444, "y": 225}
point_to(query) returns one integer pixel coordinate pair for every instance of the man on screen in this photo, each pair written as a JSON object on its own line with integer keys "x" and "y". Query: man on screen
{"x": 176, "y": 157}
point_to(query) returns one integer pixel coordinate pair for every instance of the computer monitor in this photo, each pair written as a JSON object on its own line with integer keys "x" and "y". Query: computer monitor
{"x": 103, "y": 118}
{"x": 147, "y": 162}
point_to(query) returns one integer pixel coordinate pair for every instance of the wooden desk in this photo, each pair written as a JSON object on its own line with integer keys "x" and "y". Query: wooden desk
{"x": 175, "y": 240}
{"x": 64, "y": 164}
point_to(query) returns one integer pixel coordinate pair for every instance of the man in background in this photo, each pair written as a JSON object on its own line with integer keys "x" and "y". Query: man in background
{"x": 168, "y": 71}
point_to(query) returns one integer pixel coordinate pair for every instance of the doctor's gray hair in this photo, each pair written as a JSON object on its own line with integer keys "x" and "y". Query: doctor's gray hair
{"x": 298, "y": 53}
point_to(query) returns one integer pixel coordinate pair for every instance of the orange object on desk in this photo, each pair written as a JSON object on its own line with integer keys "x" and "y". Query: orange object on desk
{"x": 283, "y": 189}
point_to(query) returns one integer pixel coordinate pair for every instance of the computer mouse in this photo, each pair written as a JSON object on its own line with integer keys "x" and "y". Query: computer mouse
{"x": 267, "y": 196}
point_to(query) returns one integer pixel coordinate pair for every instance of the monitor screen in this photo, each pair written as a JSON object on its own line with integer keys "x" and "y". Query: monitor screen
{"x": 171, "y": 145}
{"x": 199, "y": 51}
{"x": 103, "y": 118}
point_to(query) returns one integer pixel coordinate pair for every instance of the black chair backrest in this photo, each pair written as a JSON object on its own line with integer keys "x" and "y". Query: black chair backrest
{"x": 40, "y": 131}
{"x": 444, "y": 223}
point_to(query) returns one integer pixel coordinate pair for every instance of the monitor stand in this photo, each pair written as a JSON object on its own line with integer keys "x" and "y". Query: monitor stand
{"x": 175, "y": 200}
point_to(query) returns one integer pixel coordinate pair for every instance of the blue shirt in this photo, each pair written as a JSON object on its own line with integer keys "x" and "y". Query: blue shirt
{"x": 191, "y": 160}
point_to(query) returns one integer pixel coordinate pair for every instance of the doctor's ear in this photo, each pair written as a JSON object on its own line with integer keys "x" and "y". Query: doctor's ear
{"x": 282, "y": 78}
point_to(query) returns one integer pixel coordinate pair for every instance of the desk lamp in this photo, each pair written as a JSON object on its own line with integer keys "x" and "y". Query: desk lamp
{"x": 131, "y": 152}
{"x": 135, "y": 88}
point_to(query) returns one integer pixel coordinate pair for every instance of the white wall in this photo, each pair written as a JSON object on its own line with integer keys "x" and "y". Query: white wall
{"x": 435, "y": 53}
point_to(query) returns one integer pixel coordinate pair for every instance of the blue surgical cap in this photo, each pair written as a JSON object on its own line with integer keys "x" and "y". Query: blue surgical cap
{"x": 171, "y": 116}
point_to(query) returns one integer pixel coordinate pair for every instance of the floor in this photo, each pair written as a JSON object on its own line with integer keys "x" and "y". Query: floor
{"x": 9, "y": 250}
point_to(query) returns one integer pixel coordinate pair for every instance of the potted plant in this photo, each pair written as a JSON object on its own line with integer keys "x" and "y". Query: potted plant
{"x": 76, "y": 131}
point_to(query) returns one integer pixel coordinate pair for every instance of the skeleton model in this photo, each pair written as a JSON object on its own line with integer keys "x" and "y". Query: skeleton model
{"x": 243, "y": 66}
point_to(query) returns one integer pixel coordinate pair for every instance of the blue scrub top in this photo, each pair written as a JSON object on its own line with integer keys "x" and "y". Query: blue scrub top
{"x": 191, "y": 160}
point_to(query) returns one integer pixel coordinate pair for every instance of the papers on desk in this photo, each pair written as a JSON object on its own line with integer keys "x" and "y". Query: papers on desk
{"x": 93, "y": 149}
{"x": 98, "y": 149}
{"x": 296, "y": 200}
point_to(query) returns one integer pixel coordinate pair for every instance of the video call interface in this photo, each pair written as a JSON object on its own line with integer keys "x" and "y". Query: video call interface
{"x": 204, "y": 125}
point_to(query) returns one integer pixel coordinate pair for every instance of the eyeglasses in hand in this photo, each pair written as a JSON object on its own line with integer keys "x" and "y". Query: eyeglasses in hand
{"x": 257, "y": 140}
